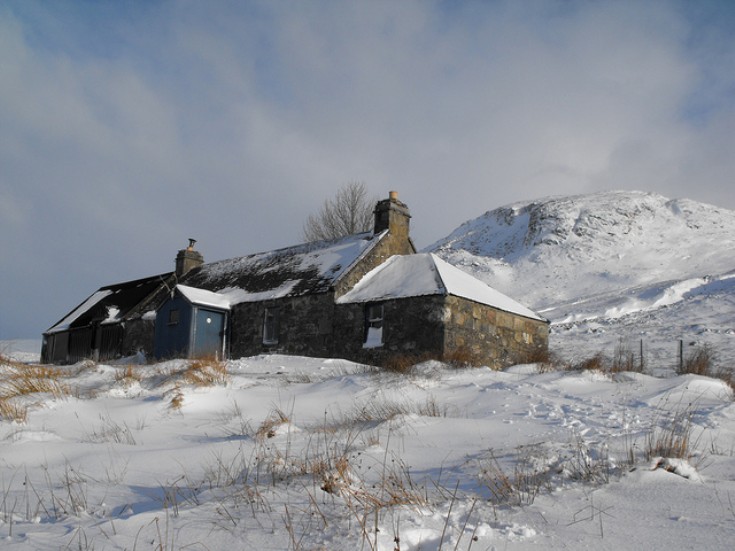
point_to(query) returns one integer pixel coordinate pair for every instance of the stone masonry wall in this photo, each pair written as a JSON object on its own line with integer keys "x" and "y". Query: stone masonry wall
{"x": 305, "y": 326}
{"x": 390, "y": 245}
{"x": 492, "y": 337}
{"x": 411, "y": 327}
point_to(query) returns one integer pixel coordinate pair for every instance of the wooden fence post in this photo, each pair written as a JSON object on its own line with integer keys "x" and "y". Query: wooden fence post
{"x": 681, "y": 355}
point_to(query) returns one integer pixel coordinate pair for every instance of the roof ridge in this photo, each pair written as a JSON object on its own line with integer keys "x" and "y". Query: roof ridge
{"x": 299, "y": 248}
{"x": 438, "y": 272}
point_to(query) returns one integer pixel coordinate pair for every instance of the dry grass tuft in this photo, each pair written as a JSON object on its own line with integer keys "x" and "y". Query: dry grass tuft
{"x": 275, "y": 419}
{"x": 128, "y": 375}
{"x": 700, "y": 362}
{"x": 22, "y": 380}
{"x": 403, "y": 363}
{"x": 206, "y": 372}
{"x": 598, "y": 362}
{"x": 177, "y": 399}
{"x": 18, "y": 380}
{"x": 11, "y": 411}
{"x": 519, "y": 487}
{"x": 461, "y": 357}
{"x": 335, "y": 478}
{"x": 674, "y": 440}
{"x": 458, "y": 358}
{"x": 624, "y": 359}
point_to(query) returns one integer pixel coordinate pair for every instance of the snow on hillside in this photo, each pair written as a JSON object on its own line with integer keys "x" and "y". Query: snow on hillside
{"x": 610, "y": 266}
{"x": 299, "y": 453}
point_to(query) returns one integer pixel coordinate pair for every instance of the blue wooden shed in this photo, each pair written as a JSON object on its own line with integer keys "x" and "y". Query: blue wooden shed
{"x": 192, "y": 323}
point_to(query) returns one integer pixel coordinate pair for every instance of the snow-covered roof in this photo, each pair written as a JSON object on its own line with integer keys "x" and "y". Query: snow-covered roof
{"x": 205, "y": 298}
{"x": 427, "y": 274}
{"x": 109, "y": 304}
{"x": 293, "y": 271}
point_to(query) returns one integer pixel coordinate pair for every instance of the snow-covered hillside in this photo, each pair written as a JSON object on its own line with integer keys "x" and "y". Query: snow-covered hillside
{"x": 610, "y": 266}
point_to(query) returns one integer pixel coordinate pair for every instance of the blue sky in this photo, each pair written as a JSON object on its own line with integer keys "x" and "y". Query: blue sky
{"x": 127, "y": 127}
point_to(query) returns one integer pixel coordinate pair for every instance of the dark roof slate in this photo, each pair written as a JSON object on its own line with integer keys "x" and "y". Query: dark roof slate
{"x": 310, "y": 268}
{"x": 110, "y": 303}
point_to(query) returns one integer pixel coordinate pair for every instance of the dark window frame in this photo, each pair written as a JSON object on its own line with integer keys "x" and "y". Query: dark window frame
{"x": 374, "y": 319}
{"x": 174, "y": 316}
{"x": 271, "y": 325}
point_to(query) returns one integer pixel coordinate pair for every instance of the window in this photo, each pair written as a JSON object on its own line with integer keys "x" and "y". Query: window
{"x": 173, "y": 317}
{"x": 373, "y": 326}
{"x": 270, "y": 326}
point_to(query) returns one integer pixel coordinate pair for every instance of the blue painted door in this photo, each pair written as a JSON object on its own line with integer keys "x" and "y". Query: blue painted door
{"x": 209, "y": 332}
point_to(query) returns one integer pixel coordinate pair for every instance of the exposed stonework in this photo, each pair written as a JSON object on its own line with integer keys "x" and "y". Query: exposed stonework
{"x": 442, "y": 327}
{"x": 490, "y": 336}
{"x": 411, "y": 327}
{"x": 188, "y": 259}
{"x": 304, "y": 326}
{"x": 389, "y": 245}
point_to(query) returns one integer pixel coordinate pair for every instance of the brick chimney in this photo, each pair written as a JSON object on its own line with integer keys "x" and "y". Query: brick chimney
{"x": 187, "y": 259}
{"x": 391, "y": 214}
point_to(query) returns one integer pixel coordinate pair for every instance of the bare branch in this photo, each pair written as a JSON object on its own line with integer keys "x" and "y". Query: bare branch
{"x": 350, "y": 211}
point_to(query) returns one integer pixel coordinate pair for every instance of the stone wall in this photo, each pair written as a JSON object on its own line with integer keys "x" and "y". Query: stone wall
{"x": 388, "y": 246}
{"x": 492, "y": 337}
{"x": 305, "y": 326}
{"x": 412, "y": 327}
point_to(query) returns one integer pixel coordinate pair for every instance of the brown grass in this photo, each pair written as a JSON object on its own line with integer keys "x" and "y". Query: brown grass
{"x": 403, "y": 363}
{"x": 275, "y": 419}
{"x": 598, "y": 362}
{"x": 673, "y": 438}
{"x": 206, "y": 372}
{"x": 177, "y": 400}
{"x": 458, "y": 358}
{"x": 22, "y": 380}
{"x": 11, "y": 411}
{"x": 128, "y": 374}
{"x": 461, "y": 357}
{"x": 624, "y": 359}
{"x": 699, "y": 362}
{"x": 18, "y": 380}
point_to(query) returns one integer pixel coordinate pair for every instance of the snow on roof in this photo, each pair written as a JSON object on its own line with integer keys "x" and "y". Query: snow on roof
{"x": 83, "y": 308}
{"x": 110, "y": 304}
{"x": 293, "y": 271}
{"x": 205, "y": 298}
{"x": 427, "y": 274}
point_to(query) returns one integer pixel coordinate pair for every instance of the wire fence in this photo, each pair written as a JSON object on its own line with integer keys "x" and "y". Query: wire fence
{"x": 652, "y": 356}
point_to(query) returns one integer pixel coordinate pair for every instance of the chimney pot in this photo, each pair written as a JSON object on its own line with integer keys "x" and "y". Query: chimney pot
{"x": 393, "y": 195}
{"x": 191, "y": 244}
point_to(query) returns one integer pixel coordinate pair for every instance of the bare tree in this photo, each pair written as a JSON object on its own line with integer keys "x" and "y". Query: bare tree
{"x": 349, "y": 211}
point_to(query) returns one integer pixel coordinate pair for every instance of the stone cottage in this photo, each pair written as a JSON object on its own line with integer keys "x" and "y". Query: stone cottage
{"x": 366, "y": 297}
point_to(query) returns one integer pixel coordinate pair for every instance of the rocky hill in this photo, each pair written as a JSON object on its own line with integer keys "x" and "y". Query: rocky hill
{"x": 610, "y": 266}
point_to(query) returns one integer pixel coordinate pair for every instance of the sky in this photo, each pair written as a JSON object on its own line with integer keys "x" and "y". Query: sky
{"x": 127, "y": 127}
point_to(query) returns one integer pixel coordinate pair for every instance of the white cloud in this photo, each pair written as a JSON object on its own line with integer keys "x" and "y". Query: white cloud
{"x": 125, "y": 130}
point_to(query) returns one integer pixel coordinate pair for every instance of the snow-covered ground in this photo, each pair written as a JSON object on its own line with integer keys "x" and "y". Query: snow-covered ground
{"x": 300, "y": 453}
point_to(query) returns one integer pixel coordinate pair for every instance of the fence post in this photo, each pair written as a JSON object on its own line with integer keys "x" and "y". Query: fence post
{"x": 641, "y": 355}
{"x": 681, "y": 355}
